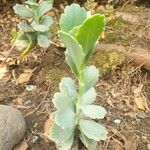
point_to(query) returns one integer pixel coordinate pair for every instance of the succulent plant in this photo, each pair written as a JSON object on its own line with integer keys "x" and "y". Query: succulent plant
{"x": 36, "y": 29}
{"x": 75, "y": 108}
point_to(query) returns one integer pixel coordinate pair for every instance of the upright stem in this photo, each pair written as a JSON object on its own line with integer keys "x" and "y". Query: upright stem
{"x": 81, "y": 92}
{"x": 81, "y": 83}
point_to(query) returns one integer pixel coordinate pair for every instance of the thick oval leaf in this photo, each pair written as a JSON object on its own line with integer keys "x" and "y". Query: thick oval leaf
{"x": 61, "y": 102}
{"x": 60, "y": 135}
{"x": 94, "y": 112}
{"x": 44, "y": 7}
{"x": 47, "y": 21}
{"x": 90, "y": 144}
{"x": 65, "y": 118}
{"x": 93, "y": 130}
{"x": 73, "y": 16}
{"x": 73, "y": 48}
{"x": 43, "y": 41}
{"x": 89, "y": 97}
{"x": 89, "y": 32}
{"x": 91, "y": 75}
{"x": 67, "y": 145}
{"x": 40, "y": 28}
{"x": 22, "y": 11}
{"x": 68, "y": 87}
{"x": 24, "y": 27}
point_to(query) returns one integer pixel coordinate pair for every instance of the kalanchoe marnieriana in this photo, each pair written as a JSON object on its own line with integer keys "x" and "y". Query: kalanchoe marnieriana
{"x": 75, "y": 114}
{"x": 36, "y": 28}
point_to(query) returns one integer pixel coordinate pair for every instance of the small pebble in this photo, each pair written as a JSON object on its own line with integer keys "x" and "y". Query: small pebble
{"x": 34, "y": 139}
{"x": 118, "y": 121}
{"x": 30, "y": 88}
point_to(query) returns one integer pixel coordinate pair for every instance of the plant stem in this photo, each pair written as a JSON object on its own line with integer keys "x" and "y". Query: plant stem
{"x": 81, "y": 83}
{"x": 81, "y": 92}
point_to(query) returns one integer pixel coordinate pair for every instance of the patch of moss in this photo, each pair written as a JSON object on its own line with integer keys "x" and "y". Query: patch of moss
{"x": 112, "y": 36}
{"x": 112, "y": 32}
{"x": 115, "y": 23}
{"x": 55, "y": 75}
{"x": 107, "y": 61}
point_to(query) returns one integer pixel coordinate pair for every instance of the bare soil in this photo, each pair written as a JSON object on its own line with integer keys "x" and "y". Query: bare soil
{"x": 116, "y": 88}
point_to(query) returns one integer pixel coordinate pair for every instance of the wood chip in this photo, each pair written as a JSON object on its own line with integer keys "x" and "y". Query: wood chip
{"x": 4, "y": 72}
{"x": 21, "y": 146}
{"x": 139, "y": 99}
{"x": 25, "y": 76}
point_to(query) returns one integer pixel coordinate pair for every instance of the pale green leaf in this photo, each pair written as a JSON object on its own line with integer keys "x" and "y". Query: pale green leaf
{"x": 71, "y": 64}
{"x": 43, "y": 41}
{"x": 47, "y": 21}
{"x": 61, "y": 101}
{"x": 89, "y": 32}
{"x": 89, "y": 97}
{"x": 90, "y": 144}
{"x": 14, "y": 33}
{"x": 91, "y": 75}
{"x": 74, "y": 31}
{"x": 67, "y": 145}
{"x": 73, "y": 16}
{"x": 93, "y": 130}
{"x": 32, "y": 3}
{"x": 94, "y": 111}
{"x": 40, "y": 28}
{"x": 22, "y": 11}
{"x": 68, "y": 87}
{"x": 74, "y": 50}
{"x": 44, "y": 7}
{"x": 65, "y": 118}
{"x": 24, "y": 27}
{"x": 60, "y": 135}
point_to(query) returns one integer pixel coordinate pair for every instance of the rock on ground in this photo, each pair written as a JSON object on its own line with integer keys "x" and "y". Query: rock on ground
{"x": 12, "y": 127}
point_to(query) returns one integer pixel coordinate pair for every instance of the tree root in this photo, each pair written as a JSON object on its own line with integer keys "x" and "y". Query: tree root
{"x": 126, "y": 17}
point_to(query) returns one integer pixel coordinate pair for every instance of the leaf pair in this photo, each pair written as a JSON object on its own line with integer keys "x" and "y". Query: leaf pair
{"x": 33, "y": 10}
{"x": 79, "y": 35}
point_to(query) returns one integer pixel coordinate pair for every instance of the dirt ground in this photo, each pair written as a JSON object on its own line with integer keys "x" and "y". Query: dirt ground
{"x": 123, "y": 89}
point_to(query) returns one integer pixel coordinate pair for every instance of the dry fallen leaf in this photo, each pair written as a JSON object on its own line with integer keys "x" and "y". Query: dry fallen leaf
{"x": 139, "y": 99}
{"x": 4, "y": 72}
{"x": 25, "y": 76}
{"x": 47, "y": 126}
{"x": 115, "y": 145}
{"x": 128, "y": 143}
{"x": 21, "y": 146}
